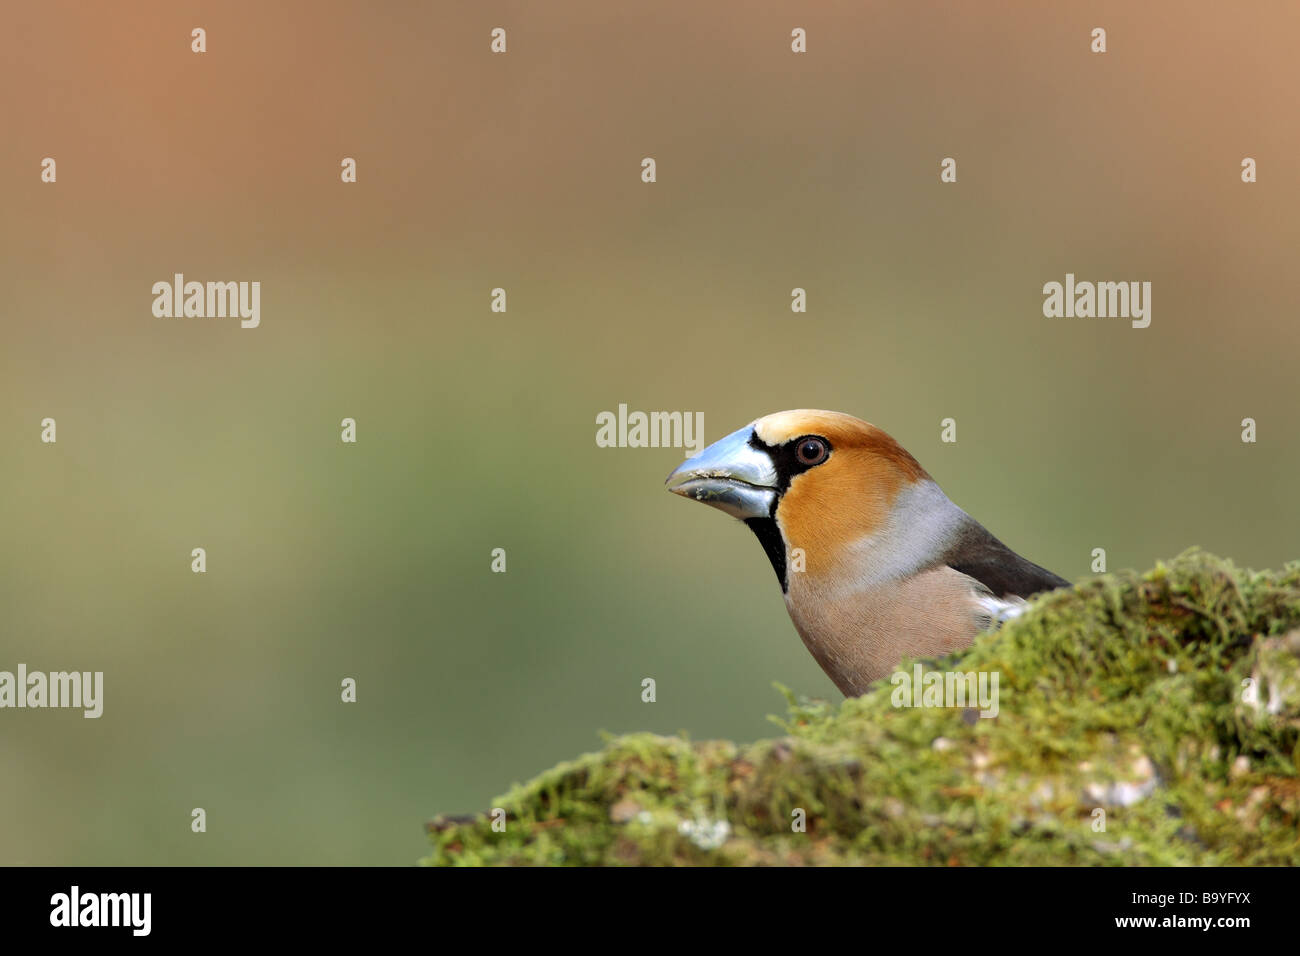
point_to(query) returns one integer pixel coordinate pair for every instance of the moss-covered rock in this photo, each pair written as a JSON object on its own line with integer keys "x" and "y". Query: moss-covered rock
{"x": 1143, "y": 719}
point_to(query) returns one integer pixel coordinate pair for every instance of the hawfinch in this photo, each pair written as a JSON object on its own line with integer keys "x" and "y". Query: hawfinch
{"x": 876, "y": 564}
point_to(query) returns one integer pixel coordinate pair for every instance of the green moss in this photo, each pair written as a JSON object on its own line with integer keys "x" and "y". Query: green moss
{"x": 1124, "y": 696}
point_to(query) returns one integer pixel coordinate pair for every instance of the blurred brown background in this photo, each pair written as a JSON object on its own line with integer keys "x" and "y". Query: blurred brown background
{"x": 476, "y": 430}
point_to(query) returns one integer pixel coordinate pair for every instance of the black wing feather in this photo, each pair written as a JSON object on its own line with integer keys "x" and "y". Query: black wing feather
{"x": 986, "y": 559}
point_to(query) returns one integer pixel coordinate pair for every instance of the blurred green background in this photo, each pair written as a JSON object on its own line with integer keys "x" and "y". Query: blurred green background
{"x": 476, "y": 430}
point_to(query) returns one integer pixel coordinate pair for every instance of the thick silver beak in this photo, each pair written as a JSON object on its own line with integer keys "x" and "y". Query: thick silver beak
{"x": 731, "y": 474}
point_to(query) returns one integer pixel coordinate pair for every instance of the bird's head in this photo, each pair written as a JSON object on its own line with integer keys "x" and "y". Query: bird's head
{"x": 809, "y": 479}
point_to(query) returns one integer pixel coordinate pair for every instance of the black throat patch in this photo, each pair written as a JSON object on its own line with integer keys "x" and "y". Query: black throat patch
{"x": 787, "y": 466}
{"x": 769, "y": 536}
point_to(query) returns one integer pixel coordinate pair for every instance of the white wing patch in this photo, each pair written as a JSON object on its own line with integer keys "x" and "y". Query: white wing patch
{"x": 999, "y": 610}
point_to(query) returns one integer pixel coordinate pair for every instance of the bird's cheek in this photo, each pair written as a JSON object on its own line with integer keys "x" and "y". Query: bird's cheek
{"x": 801, "y": 553}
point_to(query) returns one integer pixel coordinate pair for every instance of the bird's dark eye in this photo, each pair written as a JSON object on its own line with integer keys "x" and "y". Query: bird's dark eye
{"x": 811, "y": 451}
